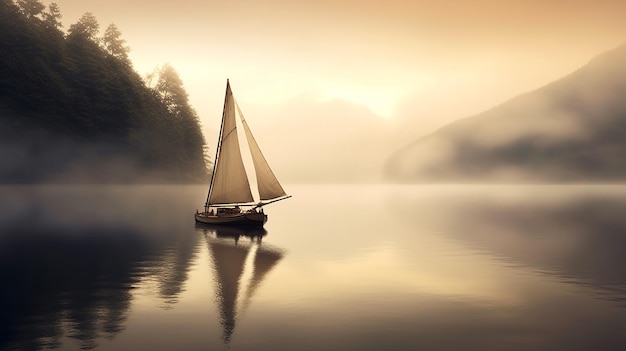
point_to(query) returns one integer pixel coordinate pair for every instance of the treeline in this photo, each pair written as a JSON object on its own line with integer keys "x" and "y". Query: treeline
{"x": 73, "y": 108}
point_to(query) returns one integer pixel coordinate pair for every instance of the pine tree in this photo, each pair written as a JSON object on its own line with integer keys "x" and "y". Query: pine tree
{"x": 86, "y": 27}
{"x": 52, "y": 17}
{"x": 31, "y": 8}
{"x": 115, "y": 45}
{"x": 170, "y": 88}
{"x": 187, "y": 134}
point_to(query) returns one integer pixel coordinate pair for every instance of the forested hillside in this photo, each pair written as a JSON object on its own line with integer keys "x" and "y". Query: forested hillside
{"x": 72, "y": 108}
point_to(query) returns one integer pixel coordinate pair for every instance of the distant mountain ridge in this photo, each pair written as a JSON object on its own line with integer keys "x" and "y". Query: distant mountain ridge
{"x": 573, "y": 129}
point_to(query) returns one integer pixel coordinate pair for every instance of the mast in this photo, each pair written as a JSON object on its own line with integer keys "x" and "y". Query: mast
{"x": 217, "y": 150}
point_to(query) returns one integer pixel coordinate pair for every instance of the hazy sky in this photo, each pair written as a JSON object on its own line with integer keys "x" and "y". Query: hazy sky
{"x": 418, "y": 64}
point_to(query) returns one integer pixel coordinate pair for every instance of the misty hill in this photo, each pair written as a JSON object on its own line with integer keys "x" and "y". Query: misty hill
{"x": 337, "y": 141}
{"x": 573, "y": 129}
{"x": 72, "y": 108}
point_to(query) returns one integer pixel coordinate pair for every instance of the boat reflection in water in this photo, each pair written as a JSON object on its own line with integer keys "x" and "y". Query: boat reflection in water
{"x": 240, "y": 267}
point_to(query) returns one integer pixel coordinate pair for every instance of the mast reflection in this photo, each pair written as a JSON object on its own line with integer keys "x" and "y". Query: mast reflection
{"x": 241, "y": 263}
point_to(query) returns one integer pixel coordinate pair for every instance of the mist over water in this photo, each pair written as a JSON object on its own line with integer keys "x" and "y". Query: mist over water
{"x": 337, "y": 267}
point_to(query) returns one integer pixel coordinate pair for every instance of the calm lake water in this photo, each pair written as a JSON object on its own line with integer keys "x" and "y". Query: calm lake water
{"x": 358, "y": 267}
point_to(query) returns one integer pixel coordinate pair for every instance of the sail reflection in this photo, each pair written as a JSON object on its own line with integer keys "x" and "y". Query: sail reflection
{"x": 240, "y": 269}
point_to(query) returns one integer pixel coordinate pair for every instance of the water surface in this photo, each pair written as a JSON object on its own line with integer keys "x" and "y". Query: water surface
{"x": 337, "y": 267}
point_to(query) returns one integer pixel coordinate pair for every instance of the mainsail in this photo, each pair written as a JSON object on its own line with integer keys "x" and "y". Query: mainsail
{"x": 229, "y": 184}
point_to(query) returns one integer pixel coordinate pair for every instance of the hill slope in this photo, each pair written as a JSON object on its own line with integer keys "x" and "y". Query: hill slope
{"x": 573, "y": 129}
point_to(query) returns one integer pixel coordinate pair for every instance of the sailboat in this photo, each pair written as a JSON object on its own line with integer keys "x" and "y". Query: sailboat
{"x": 230, "y": 200}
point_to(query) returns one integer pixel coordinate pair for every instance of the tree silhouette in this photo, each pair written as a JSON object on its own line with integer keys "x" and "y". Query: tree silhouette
{"x": 31, "y": 8}
{"x": 86, "y": 27}
{"x": 114, "y": 44}
{"x": 52, "y": 17}
{"x": 169, "y": 86}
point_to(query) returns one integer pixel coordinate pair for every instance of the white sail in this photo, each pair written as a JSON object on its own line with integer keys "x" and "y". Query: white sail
{"x": 230, "y": 183}
{"x": 269, "y": 187}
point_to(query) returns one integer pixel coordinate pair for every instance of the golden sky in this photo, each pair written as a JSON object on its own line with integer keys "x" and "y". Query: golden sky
{"x": 420, "y": 64}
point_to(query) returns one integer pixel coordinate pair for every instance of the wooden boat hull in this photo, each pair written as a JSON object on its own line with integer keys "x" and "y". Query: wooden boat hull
{"x": 239, "y": 219}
